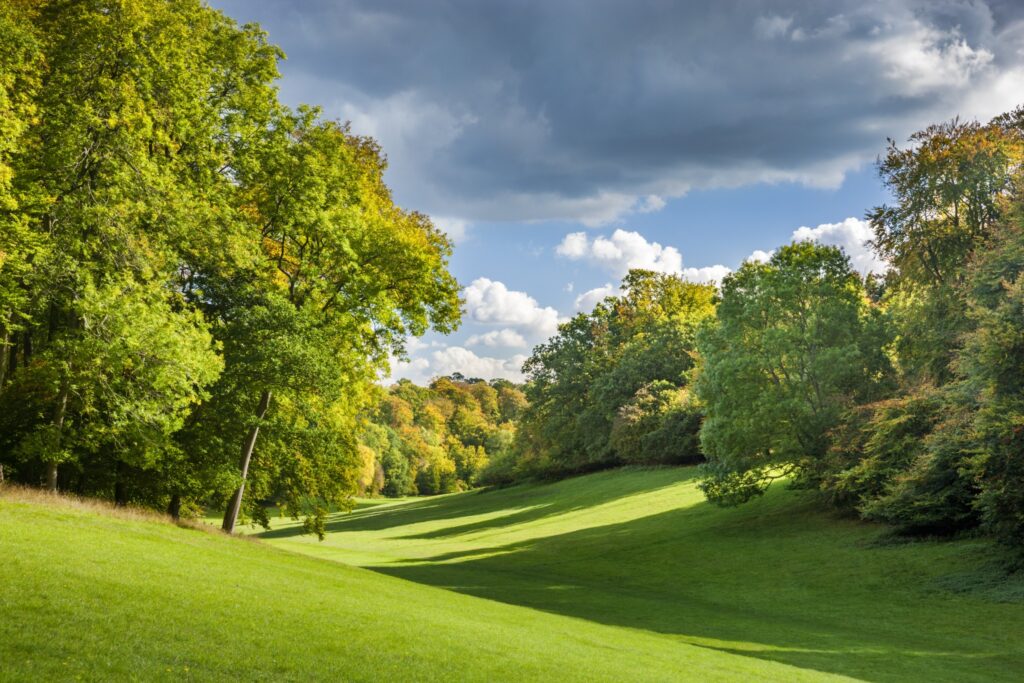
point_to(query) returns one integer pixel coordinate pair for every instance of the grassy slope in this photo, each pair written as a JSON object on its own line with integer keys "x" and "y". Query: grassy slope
{"x": 773, "y": 580}
{"x": 85, "y": 594}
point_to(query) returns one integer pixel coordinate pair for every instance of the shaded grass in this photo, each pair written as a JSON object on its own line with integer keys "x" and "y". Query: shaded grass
{"x": 94, "y": 593}
{"x": 774, "y": 580}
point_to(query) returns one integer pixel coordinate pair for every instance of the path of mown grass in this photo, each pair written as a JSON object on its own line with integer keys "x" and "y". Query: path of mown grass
{"x": 774, "y": 580}
{"x": 89, "y": 595}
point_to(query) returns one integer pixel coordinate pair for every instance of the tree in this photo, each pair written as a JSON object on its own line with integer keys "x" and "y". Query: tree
{"x": 992, "y": 367}
{"x": 120, "y": 167}
{"x": 597, "y": 364}
{"x": 124, "y": 379}
{"x": 795, "y": 343}
{"x": 947, "y": 187}
{"x": 658, "y": 425}
{"x": 343, "y": 270}
{"x": 21, "y": 68}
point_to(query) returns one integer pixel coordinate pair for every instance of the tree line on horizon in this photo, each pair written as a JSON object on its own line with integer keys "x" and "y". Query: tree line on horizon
{"x": 896, "y": 396}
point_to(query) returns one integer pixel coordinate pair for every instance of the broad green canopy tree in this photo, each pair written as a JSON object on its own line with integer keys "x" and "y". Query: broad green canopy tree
{"x": 342, "y": 277}
{"x": 183, "y": 261}
{"x": 598, "y": 362}
{"x": 795, "y": 343}
{"x": 121, "y": 169}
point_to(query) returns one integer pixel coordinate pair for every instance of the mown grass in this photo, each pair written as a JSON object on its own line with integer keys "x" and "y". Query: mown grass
{"x": 91, "y": 593}
{"x": 775, "y": 580}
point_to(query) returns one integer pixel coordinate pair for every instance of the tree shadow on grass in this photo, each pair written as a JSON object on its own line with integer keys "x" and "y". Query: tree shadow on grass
{"x": 501, "y": 507}
{"x": 772, "y": 580}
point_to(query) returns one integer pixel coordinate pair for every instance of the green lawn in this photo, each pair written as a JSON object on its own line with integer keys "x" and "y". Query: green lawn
{"x": 615, "y": 576}
{"x": 641, "y": 551}
{"x": 85, "y": 595}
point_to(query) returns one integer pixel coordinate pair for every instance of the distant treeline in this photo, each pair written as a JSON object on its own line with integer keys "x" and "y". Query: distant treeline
{"x": 898, "y": 396}
{"x": 198, "y": 286}
{"x": 439, "y": 439}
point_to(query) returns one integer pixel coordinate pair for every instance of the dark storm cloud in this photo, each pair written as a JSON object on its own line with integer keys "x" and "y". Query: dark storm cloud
{"x": 534, "y": 109}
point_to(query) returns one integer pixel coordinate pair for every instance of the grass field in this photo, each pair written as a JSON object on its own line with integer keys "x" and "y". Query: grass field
{"x": 89, "y": 595}
{"x": 772, "y": 581}
{"x": 615, "y": 576}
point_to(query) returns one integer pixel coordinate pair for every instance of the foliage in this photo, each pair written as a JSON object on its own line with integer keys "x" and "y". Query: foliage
{"x": 948, "y": 186}
{"x": 176, "y": 246}
{"x": 605, "y": 361}
{"x": 441, "y": 438}
{"x": 658, "y": 425}
{"x": 992, "y": 364}
{"x": 794, "y": 344}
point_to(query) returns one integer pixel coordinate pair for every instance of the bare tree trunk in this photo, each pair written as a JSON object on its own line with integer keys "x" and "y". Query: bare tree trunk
{"x": 174, "y": 507}
{"x": 5, "y": 349}
{"x": 12, "y": 356}
{"x": 120, "y": 486}
{"x": 235, "y": 504}
{"x": 58, "y": 423}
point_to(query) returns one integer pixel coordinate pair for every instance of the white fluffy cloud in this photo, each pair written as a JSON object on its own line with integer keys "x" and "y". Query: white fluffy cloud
{"x": 707, "y": 274}
{"x": 504, "y": 338}
{"x": 620, "y": 252}
{"x": 852, "y": 235}
{"x": 490, "y": 301}
{"x": 626, "y": 249}
{"x": 455, "y": 228}
{"x": 453, "y": 359}
{"x": 587, "y": 300}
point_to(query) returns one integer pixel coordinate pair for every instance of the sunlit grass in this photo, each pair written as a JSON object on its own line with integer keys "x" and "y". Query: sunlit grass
{"x": 775, "y": 579}
{"x": 93, "y": 593}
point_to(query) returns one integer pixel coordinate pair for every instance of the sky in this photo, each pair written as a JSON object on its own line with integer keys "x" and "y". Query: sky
{"x": 561, "y": 142}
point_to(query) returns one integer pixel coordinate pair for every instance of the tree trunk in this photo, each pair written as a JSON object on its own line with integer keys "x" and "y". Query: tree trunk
{"x": 120, "y": 486}
{"x": 12, "y": 356}
{"x": 235, "y": 504}
{"x": 5, "y": 349}
{"x": 174, "y": 507}
{"x": 58, "y": 423}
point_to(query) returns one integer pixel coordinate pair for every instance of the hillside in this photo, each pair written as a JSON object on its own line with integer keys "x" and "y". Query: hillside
{"x": 641, "y": 551}
{"x": 91, "y": 594}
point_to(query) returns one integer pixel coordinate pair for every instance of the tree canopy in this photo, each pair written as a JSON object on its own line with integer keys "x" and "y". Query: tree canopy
{"x": 198, "y": 286}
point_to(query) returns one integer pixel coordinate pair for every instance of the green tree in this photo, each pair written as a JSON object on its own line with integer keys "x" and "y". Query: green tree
{"x": 795, "y": 342}
{"x": 596, "y": 364}
{"x": 125, "y": 378}
{"x": 948, "y": 186}
{"x": 135, "y": 115}
{"x": 343, "y": 270}
{"x": 992, "y": 367}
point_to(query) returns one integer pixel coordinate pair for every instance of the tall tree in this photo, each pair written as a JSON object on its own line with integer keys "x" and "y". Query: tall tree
{"x": 947, "y": 187}
{"x": 344, "y": 275}
{"x": 122, "y": 171}
{"x": 794, "y": 344}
